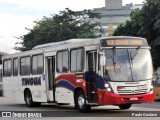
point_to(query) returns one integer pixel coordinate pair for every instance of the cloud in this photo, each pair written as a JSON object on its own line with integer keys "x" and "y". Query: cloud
{"x": 56, "y": 5}
{"x": 13, "y": 25}
{"x": 18, "y": 14}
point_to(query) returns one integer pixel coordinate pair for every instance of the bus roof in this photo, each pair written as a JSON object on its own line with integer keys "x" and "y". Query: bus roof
{"x": 68, "y": 44}
{"x": 60, "y": 43}
{"x": 83, "y": 41}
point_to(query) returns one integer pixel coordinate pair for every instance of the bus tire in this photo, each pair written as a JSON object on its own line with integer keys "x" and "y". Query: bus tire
{"x": 80, "y": 102}
{"x": 28, "y": 98}
{"x": 125, "y": 106}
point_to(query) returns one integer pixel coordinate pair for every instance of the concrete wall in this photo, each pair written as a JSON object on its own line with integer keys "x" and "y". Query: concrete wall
{"x": 113, "y": 12}
{"x": 113, "y": 4}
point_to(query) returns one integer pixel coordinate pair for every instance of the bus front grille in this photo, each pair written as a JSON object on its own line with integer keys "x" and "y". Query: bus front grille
{"x": 140, "y": 89}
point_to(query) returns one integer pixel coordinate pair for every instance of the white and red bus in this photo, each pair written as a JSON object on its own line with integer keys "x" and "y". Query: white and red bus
{"x": 82, "y": 72}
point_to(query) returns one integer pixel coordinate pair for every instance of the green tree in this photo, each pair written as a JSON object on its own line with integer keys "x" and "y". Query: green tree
{"x": 67, "y": 24}
{"x": 145, "y": 23}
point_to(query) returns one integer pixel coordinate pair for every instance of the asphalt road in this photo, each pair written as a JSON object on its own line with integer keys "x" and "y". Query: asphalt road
{"x": 142, "y": 111}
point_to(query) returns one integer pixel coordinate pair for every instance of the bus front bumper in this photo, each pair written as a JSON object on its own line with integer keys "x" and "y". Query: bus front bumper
{"x": 108, "y": 98}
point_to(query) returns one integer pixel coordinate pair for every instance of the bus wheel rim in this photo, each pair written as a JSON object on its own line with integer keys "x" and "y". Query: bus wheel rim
{"x": 28, "y": 99}
{"x": 81, "y": 101}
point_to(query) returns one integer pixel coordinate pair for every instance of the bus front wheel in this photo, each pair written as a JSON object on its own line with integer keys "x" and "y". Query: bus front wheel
{"x": 80, "y": 102}
{"x": 125, "y": 106}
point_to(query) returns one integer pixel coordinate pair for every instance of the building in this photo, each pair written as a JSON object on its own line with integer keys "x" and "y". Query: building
{"x": 137, "y": 6}
{"x": 1, "y": 88}
{"x": 113, "y": 14}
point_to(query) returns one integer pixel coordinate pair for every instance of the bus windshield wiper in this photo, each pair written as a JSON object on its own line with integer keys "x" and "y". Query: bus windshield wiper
{"x": 130, "y": 60}
{"x": 114, "y": 63}
{"x": 113, "y": 58}
{"x": 135, "y": 53}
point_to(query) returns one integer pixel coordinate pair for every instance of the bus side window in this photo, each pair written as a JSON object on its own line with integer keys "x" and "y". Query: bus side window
{"x": 77, "y": 60}
{"x": 7, "y": 68}
{"x": 15, "y": 66}
{"x": 37, "y": 64}
{"x": 25, "y": 66}
{"x": 63, "y": 61}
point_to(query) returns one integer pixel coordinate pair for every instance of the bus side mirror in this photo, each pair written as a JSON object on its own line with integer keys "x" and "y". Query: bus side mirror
{"x": 102, "y": 59}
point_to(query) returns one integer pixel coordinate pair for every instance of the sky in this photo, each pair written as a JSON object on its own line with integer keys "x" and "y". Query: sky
{"x": 16, "y": 15}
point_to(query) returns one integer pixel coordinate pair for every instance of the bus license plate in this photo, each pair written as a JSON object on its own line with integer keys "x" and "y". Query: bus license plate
{"x": 133, "y": 98}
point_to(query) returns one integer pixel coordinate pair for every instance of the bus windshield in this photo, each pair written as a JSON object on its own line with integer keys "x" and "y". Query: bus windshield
{"x": 128, "y": 64}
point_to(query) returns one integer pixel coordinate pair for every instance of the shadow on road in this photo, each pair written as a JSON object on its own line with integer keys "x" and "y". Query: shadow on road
{"x": 67, "y": 111}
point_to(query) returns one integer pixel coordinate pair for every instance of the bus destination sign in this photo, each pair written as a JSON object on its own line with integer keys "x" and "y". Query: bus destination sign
{"x": 123, "y": 42}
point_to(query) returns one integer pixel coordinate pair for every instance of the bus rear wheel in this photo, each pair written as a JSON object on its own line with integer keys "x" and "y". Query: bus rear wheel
{"x": 28, "y": 100}
{"x": 80, "y": 102}
{"x": 125, "y": 106}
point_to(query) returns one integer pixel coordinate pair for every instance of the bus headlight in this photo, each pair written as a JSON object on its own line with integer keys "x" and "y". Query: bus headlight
{"x": 152, "y": 85}
{"x": 151, "y": 92}
{"x": 108, "y": 87}
{"x": 151, "y": 88}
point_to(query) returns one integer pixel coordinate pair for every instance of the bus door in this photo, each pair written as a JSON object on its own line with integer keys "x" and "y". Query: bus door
{"x": 51, "y": 76}
{"x": 91, "y": 76}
